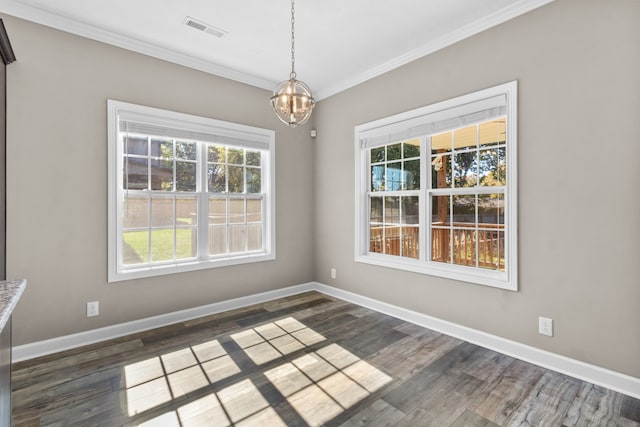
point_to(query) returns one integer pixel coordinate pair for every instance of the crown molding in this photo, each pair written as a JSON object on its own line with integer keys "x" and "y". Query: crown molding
{"x": 73, "y": 26}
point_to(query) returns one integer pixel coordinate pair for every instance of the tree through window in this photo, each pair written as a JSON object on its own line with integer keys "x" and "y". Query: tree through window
{"x": 437, "y": 189}
{"x": 186, "y": 192}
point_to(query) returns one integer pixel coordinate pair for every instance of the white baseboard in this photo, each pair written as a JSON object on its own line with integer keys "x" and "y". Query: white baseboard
{"x": 54, "y": 345}
{"x": 594, "y": 374}
{"x": 616, "y": 381}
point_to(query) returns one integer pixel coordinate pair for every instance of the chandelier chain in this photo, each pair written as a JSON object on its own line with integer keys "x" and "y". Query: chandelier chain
{"x": 293, "y": 42}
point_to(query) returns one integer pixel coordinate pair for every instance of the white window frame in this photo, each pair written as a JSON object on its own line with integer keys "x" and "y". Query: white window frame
{"x": 418, "y": 123}
{"x": 250, "y": 137}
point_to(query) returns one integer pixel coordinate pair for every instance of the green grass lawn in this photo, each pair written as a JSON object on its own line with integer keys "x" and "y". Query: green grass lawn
{"x": 161, "y": 245}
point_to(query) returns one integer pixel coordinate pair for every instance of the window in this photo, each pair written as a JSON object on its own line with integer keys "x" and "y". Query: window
{"x": 186, "y": 192}
{"x": 436, "y": 189}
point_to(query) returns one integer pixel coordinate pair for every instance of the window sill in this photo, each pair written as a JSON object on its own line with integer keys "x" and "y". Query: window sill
{"x": 493, "y": 279}
{"x": 191, "y": 265}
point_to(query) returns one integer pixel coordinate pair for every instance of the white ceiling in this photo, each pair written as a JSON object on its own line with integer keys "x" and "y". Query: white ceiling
{"x": 339, "y": 43}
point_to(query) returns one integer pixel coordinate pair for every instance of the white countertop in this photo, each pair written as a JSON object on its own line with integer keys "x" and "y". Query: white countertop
{"x": 10, "y": 292}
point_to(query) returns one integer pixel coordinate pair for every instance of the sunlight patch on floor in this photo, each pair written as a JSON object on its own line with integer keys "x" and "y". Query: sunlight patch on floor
{"x": 318, "y": 385}
{"x": 273, "y": 340}
{"x": 322, "y": 384}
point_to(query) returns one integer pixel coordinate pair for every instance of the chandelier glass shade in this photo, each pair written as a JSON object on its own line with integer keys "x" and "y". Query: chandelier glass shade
{"x": 292, "y": 100}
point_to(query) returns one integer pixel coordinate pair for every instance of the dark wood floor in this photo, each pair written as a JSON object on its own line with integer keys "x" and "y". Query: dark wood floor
{"x": 303, "y": 360}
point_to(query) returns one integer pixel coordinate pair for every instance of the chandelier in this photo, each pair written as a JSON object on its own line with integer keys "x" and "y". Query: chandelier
{"x": 292, "y": 100}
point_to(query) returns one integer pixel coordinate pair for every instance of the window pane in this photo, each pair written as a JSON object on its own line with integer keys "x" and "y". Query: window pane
{"x": 162, "y": 245}
{"x": 217, "y": 178}
{"x": 441, "y": 245}
{"x": 217, "y": 211}
{"x": 135, "y": 212}
{"x": 464, "y": 247}
{"x": 216, "y": 154}
{"x": 410, "y": 210}
{"x": 162, "y": 147}
{"x": 236, "y": 179}
{"x": 440, "y": 207}
{"x": 253, "y": 158}
{"x": 490, "y": 209}
{"x": 136, "y": 174}
{"x": 186, "y": 243}
{"x": 253, "y": 181}
{"x": 410, "y": 234}
{"x": 392, "y": 239}
{"x": 377, "y": 155}
{"x": 235, "y": 156}
{"x": 161, "y": 174}
{"x": 162, "y": 212}
{"x": 185, "y": 176}
{"x": 236, "y": 211}
{"x": 441, "y": 171}
{"x": 411, "y": 175}
{"x": 237, "y": 238}
{"x": 465, "y": 167}
{"x": 375, "y": 214}
{"x": 411, "y": 242}
{"x": 254, "y": 237}
{"x": 135, "y": 247}
{"x": 377, "y": 178}
{"x": 186, "y": 211}
{"x": 394, "y": 152}
{"x": 391, "y": 225}
{"x": 254, "y": 210}
{"x": 135, "y": 145}
{"x": 493, "y": 132}
{"x": 465, "y": 138}
{"x": 217, "y": 240}
{"x": 493, "y": 167}
{"x": 376, "y": 238}
{"x": 441, "y": 143}
{"x": 394, "y": 176}
{"x": 392, "y": 210}
{"x": 411, "y": 149}
{"x": 464, "y": 210}
{"x": 491, "y": 249}
{"x": 186, "y": 150}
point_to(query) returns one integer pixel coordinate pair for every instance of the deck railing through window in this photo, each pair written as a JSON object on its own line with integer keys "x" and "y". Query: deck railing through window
{"x": 484, "y": 246}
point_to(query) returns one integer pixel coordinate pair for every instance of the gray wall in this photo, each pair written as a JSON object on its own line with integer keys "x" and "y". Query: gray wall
{"x": 57, "y": 182}
{"x": 577, "y": 63}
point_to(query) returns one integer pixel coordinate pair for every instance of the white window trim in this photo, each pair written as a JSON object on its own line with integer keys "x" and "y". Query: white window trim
{"x": 402, "y": 122}
{"x": 262, "y": 137}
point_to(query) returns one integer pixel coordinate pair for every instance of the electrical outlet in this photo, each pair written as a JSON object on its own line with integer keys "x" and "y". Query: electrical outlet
{"x": 333, "y": 273}
{"x": 545, "y": 326}
{"x": 93, "y": 309}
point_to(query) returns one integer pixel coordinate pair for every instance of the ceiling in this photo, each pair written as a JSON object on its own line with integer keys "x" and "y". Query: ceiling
{"x": 339, "y": 43}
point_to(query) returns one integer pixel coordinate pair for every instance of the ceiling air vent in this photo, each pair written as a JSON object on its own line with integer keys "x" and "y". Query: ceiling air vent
{"x": 201, "y": 26}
